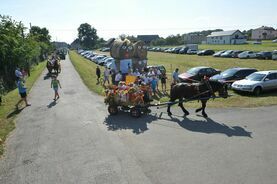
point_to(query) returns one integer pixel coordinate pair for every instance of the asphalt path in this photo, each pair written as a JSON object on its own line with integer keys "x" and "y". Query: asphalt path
{"x": 75, "y": 141}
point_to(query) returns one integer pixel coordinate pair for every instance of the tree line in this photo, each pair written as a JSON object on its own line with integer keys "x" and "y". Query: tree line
{"x": 19, "y": 48}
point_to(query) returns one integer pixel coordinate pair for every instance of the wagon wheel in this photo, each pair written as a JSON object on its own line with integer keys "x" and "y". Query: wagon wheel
{"x": 112, "y": 109}
{"x": 135, "y": 112}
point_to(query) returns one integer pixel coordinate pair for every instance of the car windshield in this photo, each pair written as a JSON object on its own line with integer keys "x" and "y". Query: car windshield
{"x": 193, "y": 71}
{"x": 229, "y": 72}
{"x": 256, "y": 77}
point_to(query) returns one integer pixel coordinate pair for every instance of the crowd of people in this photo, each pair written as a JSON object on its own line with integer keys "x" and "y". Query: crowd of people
{"x": 151, "y": 77}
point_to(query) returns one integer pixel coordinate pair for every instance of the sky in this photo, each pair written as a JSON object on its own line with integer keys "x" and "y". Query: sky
{"x": 135, "y": 17}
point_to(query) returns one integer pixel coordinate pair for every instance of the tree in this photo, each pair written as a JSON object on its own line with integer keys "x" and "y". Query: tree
{"x": 87, "y": 36}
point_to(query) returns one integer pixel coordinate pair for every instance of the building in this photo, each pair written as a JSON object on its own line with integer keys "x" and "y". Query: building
{"x": 148, "y": 38}
{"x": 194, "y": 38}
{"x": 226, "y": 37}
{"x": 264, "y": 33}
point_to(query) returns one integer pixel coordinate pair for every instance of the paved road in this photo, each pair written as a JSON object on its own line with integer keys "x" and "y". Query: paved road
{"x": 75, "y": 141}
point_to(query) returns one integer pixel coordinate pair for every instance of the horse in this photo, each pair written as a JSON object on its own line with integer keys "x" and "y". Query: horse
{"x": 202, "y": 91}
{"x": 53, "y": 65}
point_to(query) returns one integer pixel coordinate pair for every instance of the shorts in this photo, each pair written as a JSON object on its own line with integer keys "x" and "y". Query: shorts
{"x": 23, "y": 95}
{"x": 56, "y": 89}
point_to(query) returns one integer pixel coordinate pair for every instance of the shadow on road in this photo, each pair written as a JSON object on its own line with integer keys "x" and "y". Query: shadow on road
{"x": 125, "y": 122}
{"x": 52, "y": 104}
{"x": 15, "y": 112}
{"x": 207, "y": 125}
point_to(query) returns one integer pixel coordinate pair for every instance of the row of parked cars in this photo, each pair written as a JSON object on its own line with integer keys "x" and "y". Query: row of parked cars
{"x": 99, "y": 59}
{"x": 246, "y": 54}
{"x": 224, "y": 53}
{"x": 239, "y": 79}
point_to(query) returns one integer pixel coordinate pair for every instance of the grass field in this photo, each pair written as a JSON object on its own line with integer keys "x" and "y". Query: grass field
{"x": 265, "y": 46}
{"x": 8, "y": 111}
{"x": 86, "y": 69}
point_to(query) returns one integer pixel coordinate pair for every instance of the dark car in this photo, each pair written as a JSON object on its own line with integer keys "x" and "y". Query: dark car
{"x": 233, "y": 74}
{"x": 264, "y": 55}
{"x": 197, "y": 73}
{"x": 205, "y": 52}
{"x": 176, "y": 50}
{"x": 183, "y": 50}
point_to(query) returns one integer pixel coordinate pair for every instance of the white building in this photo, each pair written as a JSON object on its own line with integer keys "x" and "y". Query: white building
{"x": 264, "y": 33}
{"x": 226, "y": 37}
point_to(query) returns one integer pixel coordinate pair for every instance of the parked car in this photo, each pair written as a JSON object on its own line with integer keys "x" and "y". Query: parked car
{"x": 257, "y": 82}
{"x": 197, "y": 73}
{"x": 274, "y": 55}
{"x": 264, "y": 55}
{"x": 183, "y": 50}
{"x": 247, "y": 54}
{"x": 176, "y": 50}
{"x": 227, "y": 54}
{"x": 159, "y": 67}
{"x": 192, "y": 51}
{"x": 274, "y": 41}
{"x": 236, "y": 53}
{"x": 205, "y": 52}
{"x": 233, "y": 74}
{"x": 217, "y": 54}
{"x": 257, "y": 43}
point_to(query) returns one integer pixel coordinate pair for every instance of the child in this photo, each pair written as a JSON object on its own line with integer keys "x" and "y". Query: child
{"x": 23, "y": 92}
{"x": 154, "y": 82}
{"x": 55, "y": 83}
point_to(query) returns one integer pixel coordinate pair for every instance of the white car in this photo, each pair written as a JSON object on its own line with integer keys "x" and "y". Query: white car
{"x": 274, "y": 55}
{"x": 192, "y": 51}
{"x": 247, "y": 54}
{"x": 257, "y": 82}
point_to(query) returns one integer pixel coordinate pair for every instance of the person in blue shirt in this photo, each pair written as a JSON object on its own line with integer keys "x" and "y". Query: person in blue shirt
{"x": 22, "y": 92}
{"x": 154, "y": 82}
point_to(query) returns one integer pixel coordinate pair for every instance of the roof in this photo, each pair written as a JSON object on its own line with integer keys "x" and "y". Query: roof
{"x": 223, "y": 33}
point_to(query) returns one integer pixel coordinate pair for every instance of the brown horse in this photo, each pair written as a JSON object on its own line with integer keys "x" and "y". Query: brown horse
{"x": 202, "y": 91}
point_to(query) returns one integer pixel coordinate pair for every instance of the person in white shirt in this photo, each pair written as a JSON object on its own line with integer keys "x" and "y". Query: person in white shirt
{"x": 18, "y": 74}
{"x": 136, "y": 73}
{"x": 106, "y": 76}
{"x": 118, "y": 78}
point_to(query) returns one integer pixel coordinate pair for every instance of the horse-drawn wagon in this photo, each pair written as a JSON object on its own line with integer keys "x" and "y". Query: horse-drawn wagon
{"x": 129, "y": 98}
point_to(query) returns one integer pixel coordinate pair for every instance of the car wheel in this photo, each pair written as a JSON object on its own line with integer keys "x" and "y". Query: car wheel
{"x": 257, "y": 91}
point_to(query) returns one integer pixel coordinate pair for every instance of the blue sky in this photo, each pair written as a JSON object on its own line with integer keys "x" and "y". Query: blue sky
{"x": 132, "y": 17}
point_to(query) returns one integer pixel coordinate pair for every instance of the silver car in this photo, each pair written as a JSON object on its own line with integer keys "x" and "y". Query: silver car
{"x": 257, "y": 82}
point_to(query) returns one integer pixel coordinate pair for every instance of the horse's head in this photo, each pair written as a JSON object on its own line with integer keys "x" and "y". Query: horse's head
{"x": 219, "y": 87}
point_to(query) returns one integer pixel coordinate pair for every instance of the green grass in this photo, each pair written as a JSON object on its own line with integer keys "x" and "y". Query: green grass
{"x": 265, "y": 46}
{"x": 8, "y": 111}
{"x": 87, "y": 71}
{"x": 184, "y": 62}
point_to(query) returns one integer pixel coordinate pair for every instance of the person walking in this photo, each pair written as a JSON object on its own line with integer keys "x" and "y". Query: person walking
{"x": 98, "y": 74}
{"x": 175, "y": 76}
{"x": 55, "y": 84}
{"x": 106, "y": 76}
{"x": 22, "y": 92}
